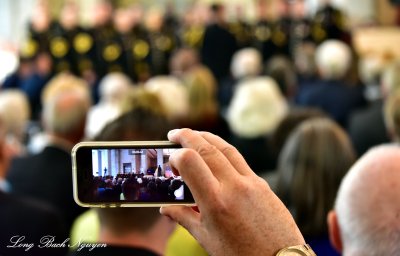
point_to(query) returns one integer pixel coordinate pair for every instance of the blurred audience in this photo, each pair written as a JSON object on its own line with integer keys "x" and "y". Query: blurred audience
{"x": 112, "y": 89}
{"x": 333, "y": 59}
{"x": 47, "y": 175}
{"x": 23, "y": 220}
{"x": 256, "y": 109}
{"x": 366, "y": 126}
{"x": 15, "y": 112}
{"x": 281, "y": 69}
{"x": 246, "y": 63}
{"x": 219, "y": 44}
{"x": 365, "y": 219}
{"x": 294, "y": 117}
{"x": 311, "y": 165}
{"x": 176, "y": 101}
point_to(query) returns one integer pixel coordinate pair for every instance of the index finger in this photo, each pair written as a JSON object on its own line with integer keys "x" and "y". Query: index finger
{"x": 230, "y": 152}
{"x": 216, "y": 161}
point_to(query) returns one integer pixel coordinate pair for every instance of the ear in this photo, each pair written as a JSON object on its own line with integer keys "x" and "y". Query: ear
{"x": 334, "y": 231}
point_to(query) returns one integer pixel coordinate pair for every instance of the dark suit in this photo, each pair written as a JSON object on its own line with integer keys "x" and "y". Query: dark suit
{"x": 20, "y": 217}
{"x": 367, "y": 128}
{"x": 46, "y": 176}
{"x": 219, "y": 45}
{"x": 334, "y": 97}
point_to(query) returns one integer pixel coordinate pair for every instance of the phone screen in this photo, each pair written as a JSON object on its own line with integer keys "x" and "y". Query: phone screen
{"x": 125, "y": 175}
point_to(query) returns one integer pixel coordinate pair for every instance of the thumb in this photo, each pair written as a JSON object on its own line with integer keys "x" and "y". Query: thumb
{"x": 185, "y": 216}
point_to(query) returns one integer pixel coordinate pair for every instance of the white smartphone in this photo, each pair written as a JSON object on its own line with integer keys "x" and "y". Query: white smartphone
{"x": 127, "y": 174}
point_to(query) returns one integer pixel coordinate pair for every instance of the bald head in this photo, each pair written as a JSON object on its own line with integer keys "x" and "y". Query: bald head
{"x": 368, "y": 204}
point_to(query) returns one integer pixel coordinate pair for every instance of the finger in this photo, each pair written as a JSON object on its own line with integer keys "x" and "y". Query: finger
{"x": 195, "y": 173}
{"x": 185, "y": 216}
{"x": 230, "y": 152}
{"x": 215, "y": 160}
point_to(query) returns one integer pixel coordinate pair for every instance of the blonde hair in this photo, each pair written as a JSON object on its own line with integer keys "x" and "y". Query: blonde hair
{"x": 256, "y": 108}
{"x": 15, "y": 112}
{"x": 392, "y": 115}
{"x": 66, "y": 100}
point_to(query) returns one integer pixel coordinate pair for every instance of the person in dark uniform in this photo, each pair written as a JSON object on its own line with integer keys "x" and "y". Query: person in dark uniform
{"x": 241, "y": 29}
{"x": 108, "y": 51}
{"x": 62, "y": 39}
{"x": 131, "y": 37}
{"x": 300, "y": 26}
{"x": 163, "y": 41}
{"x": 219, "y": 44}
{"x": 40, "y": 29}
{"x": 191, "y": 33}
{"x": 329, "y": 23}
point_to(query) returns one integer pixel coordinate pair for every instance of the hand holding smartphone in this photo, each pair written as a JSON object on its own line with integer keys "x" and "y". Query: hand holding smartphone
{"x": 127, "y": 174}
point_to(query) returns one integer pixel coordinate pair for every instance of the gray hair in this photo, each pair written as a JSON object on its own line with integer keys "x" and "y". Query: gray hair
{"x": 246, "y": 62}
{"x": 65, "y": 105}
{"x": 367, "y": 204}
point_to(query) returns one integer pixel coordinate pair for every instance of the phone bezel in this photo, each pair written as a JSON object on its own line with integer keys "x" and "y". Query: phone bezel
{"x": 119, "y": 144}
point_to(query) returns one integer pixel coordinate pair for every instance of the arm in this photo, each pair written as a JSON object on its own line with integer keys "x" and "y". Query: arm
{"x": 238, "y": 212}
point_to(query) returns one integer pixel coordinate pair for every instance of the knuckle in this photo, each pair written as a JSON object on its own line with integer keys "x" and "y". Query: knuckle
{"x": 206, "y": 149}
{"x": 229, "y": 150}
{"x": 185, "y": 157}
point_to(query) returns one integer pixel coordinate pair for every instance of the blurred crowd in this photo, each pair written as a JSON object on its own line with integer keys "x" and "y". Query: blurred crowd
{"x": 287, "y": 90}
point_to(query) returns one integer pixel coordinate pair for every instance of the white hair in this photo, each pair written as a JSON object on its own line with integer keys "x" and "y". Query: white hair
{"x": 256, "y": 108}
{"x": 15, "y": 112}
{"x": 113, "y": 87}
{"x": 333, "y": 59}
{"x": 367, "y": 204}
{"x": 172, "y": 94}
{"x": 246, "y": 62}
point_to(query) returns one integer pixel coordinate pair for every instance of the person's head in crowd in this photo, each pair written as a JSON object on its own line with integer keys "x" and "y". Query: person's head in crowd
{"x": 333, "y": 59}
{"x": 370, "y": 68}
{"x": 365, "y": 220}
{"x": 69, "y": 16}
{"x": 390, "y": 80}
{"x": 66, "y": 101}
{"x": 143, "y": 227}
{"x": 202, "y": 90}
{"x": 173, "y": 95}
{"x": 43, "y": 64}
{"x": 183, "y": 60}
{"x": 102, "y": 13}
{"x": 281, "y": 69}
{"x": 112, "y": 89}
{"x": 392, "y": 116}
{"x": 246, "y": 63}
{"x": 123, "y": 21}
{"x": 154, "y": 19}
{"x": 256, "y": 108}
{"x": 304, "y": 60}
{"x": 217, "y": 12}
{"x": 15, "y": 112}
{"x": 140, "y": 97}
{"x": 311, "y": 165}
{"x": 41, "y": 17}
{"x": 286, "y": 126}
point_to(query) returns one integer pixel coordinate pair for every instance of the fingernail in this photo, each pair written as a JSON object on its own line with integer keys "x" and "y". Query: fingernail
{"x": 172, "y": 132}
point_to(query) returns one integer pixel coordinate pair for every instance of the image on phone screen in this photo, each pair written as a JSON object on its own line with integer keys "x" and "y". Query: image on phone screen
{"x": 119, "y": 175}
